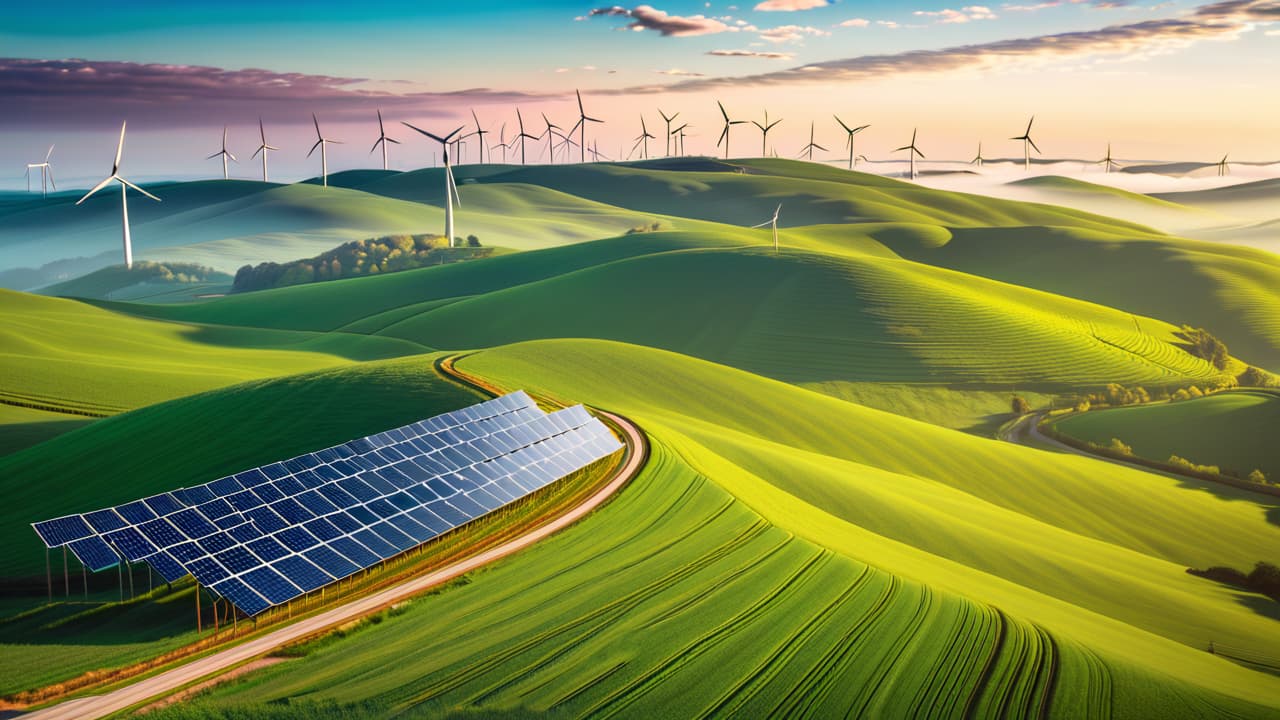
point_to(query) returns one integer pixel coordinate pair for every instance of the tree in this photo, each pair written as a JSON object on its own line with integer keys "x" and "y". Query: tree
{"x": 1257, "y": 476}
{"x": 1206, "y": 347}
{"x": 1020, "y": 405}
{"x": 1265, "y": 578}
{"x": 473, "y": 241}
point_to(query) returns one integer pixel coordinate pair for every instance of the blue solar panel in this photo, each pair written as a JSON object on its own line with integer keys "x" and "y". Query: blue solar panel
{"x": 269, "y": 534}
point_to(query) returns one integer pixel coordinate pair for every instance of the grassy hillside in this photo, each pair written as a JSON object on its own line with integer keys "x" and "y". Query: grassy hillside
{"x": 1231, "y": 430}
{"x": 22, "y": 427}
{"x": 66, "y": 354}
{"x": 145, "y": 281}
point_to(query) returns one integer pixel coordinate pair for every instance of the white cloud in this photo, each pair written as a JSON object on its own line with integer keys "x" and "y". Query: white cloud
{"x": 790, "y": 5}
{"x": 855, "y": 22}
{"x": 963, "y": 15}
{"x": 791, "y": 33}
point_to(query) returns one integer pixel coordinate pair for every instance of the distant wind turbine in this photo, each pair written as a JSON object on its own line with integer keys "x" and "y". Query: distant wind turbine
{"x": 264, "y": 148}
{"x": 223, "y": 153}
{"x": 774, "y": 223}
{"x": 502, "y": 143}
{"x": 322, "y": 142}
{"x": 808, "y": 149}
{"x": 1027, "y": 144}
{"x": 550, "y": 133}
{"x": 978, "y": 159}
{"x": 912, "y": 152}
{"x": 724, "y": 134}
{"x": 46, "y": 174}
{"x": 668, "y": 121}
{"x": 581, "y": 127}
{"x": 848, "y": 141}
{"x": 642, "y": 139}
{"x": 124, "y": 201}
{"x": 522, "y": 136}
{"x": 1224, "y": 168}
{"x": 479, "y": 134}
{"x": 764, "y": 132}
{"x": 450, "y": 187}
{"x": 1107, "y": 163}
{"x": 382, "y": 140}
{"x": 679, "y": 138}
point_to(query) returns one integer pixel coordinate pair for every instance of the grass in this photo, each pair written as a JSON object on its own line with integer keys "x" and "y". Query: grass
{"x": 22, "y": 427}
{"x": 1230, "y": 430}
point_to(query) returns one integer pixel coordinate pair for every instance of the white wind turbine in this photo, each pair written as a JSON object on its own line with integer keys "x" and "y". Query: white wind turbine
{"x": 912, "y": 152}
{"x": 124, "y": 201}
{"x": 848, "y": 141}
{"x": 450, "y": 187}
{"x": 223, "y": 153}
{"x": 808, "y": 149}
{"x": 46, "y": 174}
{"x": 774, "y": 222}
{"x": 264, "y": 148}
{"x": 1027, "y": 144}
{"x": 322, "y": 142}
{"x": 502, "y": 143}
{"x": 382, "y": 140}
{"x": 581, "y": 127}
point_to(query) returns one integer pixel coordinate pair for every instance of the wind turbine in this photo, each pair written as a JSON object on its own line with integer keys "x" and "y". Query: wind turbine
{"x": 1027, "y": 144}
{"x": 1107, "y": 163}
{"x": 978, "y": 159}
{"x": 724, "y": 134}
{"x": 643, "y": 138}
{"x": 522, "y": 136}
{"x": 764, "y": 132}
{"x": 668, "y": 120}
{"x": 550, "y": 134}
{"x": 502, "y": 143}
{"x": 224, "y": 153}
{"x": 124, "y": 201}
{"x": 912, "y": 152}
{"x": 264, "y": 148}
{"x": 808, "y": 149}
{"x": 774, "y": 223}
{"x": 322, "y": 142}
{"x": 46, "y": 174}
{"x": 480, "y": 133}
{"x": 848, "y": 141}
{"x": 450, "y": 187}
{"x": 1224, "y": 168}
{"x": 581, "y": 127}
{"x": 382, "y": 140}
{"x": 679, "y": 133}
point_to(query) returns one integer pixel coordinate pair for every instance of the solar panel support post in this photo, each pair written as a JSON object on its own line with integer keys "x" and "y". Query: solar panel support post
{"x": 66, "y": 576}
{"x": 48, "y": 574}
{"x": 199, "y": 626}
{"x": 84, "y": 576}
{"x": 130, "y": 581}
{"x": 120, "y": 575}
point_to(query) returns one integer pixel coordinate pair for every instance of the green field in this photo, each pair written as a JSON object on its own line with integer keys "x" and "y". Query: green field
{"x": 826, "y": 525}
{"x": 1234, "y": 431}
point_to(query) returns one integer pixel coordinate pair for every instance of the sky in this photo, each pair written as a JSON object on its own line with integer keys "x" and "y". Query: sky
{"x": 1186, "y": 81}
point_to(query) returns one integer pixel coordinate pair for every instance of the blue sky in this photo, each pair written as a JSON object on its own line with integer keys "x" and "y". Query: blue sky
{"x": 1143, "y": 74}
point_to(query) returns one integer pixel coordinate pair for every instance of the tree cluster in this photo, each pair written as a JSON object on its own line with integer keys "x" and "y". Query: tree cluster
{"x": 1198, "y": 342}
{"x": 358, "y": 258}
{"x": 1263, "y": 579}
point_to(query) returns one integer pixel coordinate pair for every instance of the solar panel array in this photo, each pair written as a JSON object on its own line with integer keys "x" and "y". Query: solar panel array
{"x": 265, "y": 536}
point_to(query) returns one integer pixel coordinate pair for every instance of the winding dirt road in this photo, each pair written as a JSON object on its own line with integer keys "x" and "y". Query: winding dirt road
{"x": 97, "y": 706}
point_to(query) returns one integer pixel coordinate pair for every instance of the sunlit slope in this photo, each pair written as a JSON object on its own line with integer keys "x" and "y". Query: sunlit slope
{"x": 333, "y": 305}
{"x": 1234, "y": 431}
{"x": 66, "y": 354}
{"x": 808, "y": 317}
{"x": 1229, "y": 290}
{"x": 678, "y": 600}
{"x": 1090, "y": 550}
{"x": 200, "y": 438}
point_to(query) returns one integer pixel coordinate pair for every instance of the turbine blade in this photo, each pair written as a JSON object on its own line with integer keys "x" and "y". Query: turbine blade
{"x": 381, "y": 129}
{"x": 317, "y": 123}
{"x": 256, "y": 152}
{"x": 135, "y": 187}
{"x": 213, "y": 156}
{"x": 48, "y": 154}
{"x": 722, "y": 111}
{"x": 1033, "y": 144}
{"x": 119, "y": 149}
{"x": 96, "y": 188}
{"x": 766, "y": 222}
{"x": 262, "y": 131}
{"x": 313, "y": 147}
{"x": 233, "y": 157}
{"x": 51, "y": 182}
{"x": 846, "y": 127}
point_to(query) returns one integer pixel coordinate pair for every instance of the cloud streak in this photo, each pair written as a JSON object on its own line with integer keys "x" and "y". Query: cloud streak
{"x": 647, "y": 17}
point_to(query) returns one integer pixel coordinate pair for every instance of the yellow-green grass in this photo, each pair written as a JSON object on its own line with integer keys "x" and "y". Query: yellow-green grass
{"x": 1092, "y": 551}
{"x": 678, "y": 600}
{"x": 1232, "y": 430}
{"x": 810, "y": 317}
{"x": 976, "y": 411}
{"x": 63, "y": 354}
{"x": 22, "y": 427}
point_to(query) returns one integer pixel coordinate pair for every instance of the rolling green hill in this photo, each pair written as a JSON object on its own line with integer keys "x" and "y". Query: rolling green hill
{"x": 144, "y": 282}
{"x": 1231, "y": 430}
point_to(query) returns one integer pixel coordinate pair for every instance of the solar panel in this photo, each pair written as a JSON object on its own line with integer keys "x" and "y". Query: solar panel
{"x": 266, "y": 535}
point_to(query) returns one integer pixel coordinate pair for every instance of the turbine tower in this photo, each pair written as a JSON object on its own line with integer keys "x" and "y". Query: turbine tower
{"x": 1224, "y": 168}
{"x": 46, "y": 174}
{"x": 912, "y": 152}
{"x": 764, "y": 132}
{"x": 774, "y": 223}
{"x": 522, "y": 136}
{"x": 322, "y": 142}
{"x": 808, "y": 149}
{"x": 223, "y": 153}
{"x": 978, "y": 159}
{"x": 124, "y": 200}
{"x": 264, "y": 148}
{"x": 724, "y": 134}
{"x": 450, "y": 187}
{"x": 668, "y": 121}
{"x": 1107, "y": 162}
{"x": 643, "y": 138}
{"x": 479, "y": 134}
{"x": 382, "y": 140}
{"x": 581, "y": 127}
{"x": 1027, "y": 145}
{"x": 848, "y": 141}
